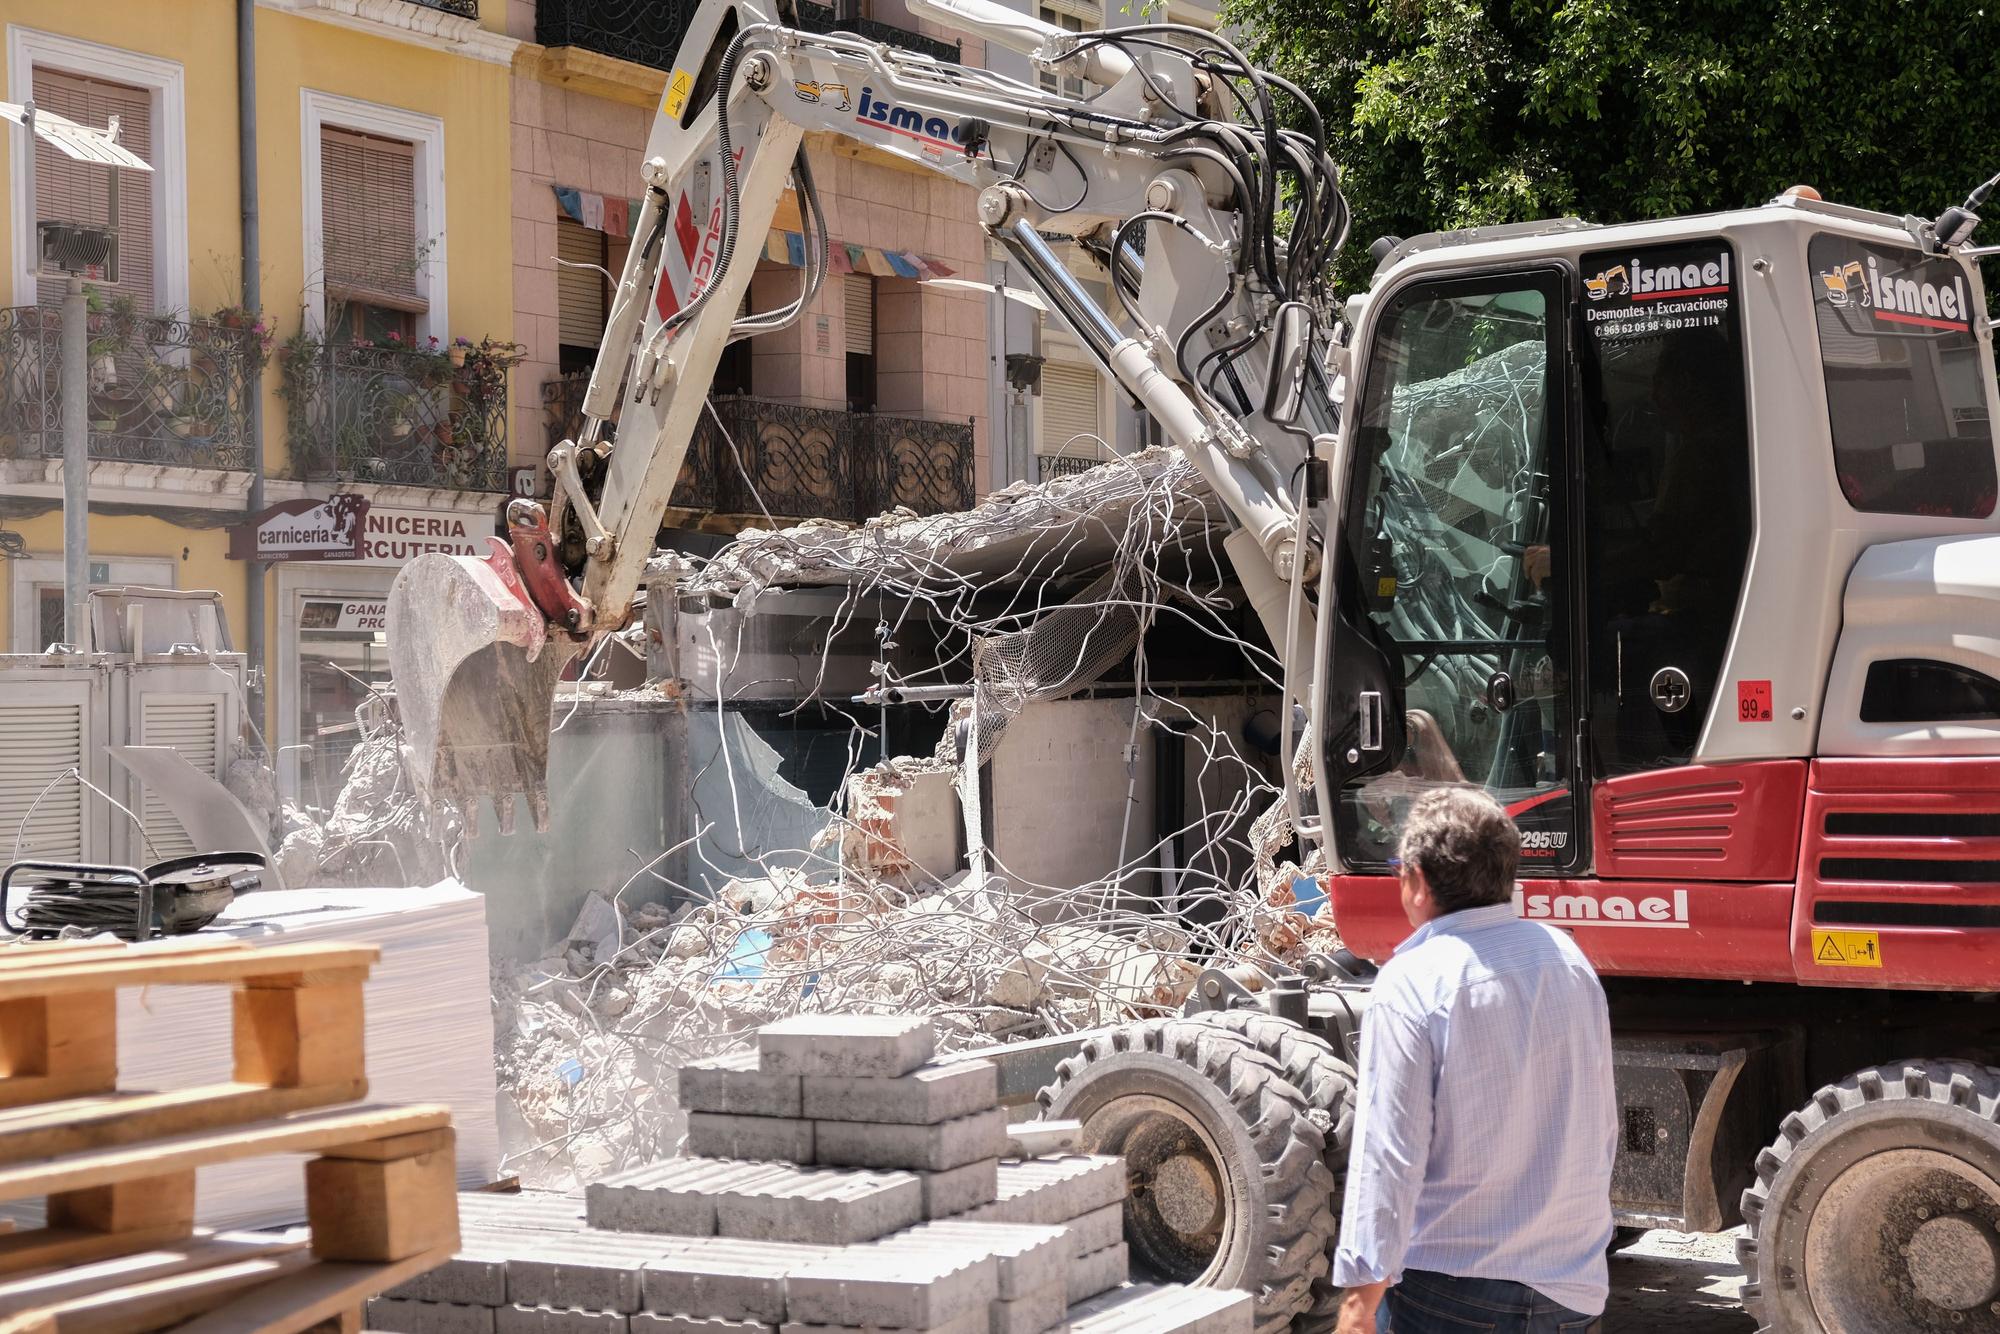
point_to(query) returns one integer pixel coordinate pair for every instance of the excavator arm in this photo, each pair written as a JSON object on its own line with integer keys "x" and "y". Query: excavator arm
{"x": 1171, "y": 175}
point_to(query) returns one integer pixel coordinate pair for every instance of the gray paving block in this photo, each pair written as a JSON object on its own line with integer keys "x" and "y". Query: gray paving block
{"x": 938, "y": 1148}
{"x": 395, "y": 1315}
{"x": 676, "y": 1196}
{"x": 1144, "y": 1309}
{"x": 591, "y": 1271}
{"x": 922, "y": 1097}
{"x": 972, "y": 1322}
{"x": 1100, "y": 1271}
{"x": 724, "y": 1276}
{"x": 912, "y": 1285}
{"x": 1097, "y": 1229}
{"x": 1040, "y": 1139}
{"x": 874, "y": 1046}
{"x": 1028, "y": 1257}
{"x": 960, "y": 1188}
{"x": 544, "y": 1320}
{"x": 810, "y": 1205}
{"x": 1031, "y": 1313}
{"x": 476, "y": 1276}
{"x": 529, "y": 1210}
{"x": 734, "y": 1084}
{"x": 768, "y": 1139}
{"x": 1054, "y": 1190}
{"x": 646, "y": 1322}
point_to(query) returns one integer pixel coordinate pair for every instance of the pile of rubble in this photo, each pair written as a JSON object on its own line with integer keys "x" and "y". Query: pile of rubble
{"x": 842, "y": 1180}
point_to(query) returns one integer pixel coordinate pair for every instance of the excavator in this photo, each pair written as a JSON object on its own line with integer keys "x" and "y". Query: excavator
{"x": 1697, "y": 570}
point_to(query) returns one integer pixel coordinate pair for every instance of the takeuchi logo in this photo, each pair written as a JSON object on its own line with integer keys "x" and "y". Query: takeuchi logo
{"x": 1651, "y": 282}
{"x": 1897, "y": 297}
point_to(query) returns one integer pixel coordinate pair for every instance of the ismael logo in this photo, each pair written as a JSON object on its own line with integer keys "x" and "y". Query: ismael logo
{"x": 1652, "y": 282}
{"x": 1656, "y": 910}
{"x": 930, "y": 130}
{"x": 1897, "y": 298}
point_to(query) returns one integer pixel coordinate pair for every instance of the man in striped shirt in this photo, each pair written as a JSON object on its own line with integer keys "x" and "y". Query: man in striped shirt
{"x": 1479, "y": 1183}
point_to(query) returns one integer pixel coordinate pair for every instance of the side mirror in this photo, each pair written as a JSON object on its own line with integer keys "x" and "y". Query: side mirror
{"x": 1291, "y": 353}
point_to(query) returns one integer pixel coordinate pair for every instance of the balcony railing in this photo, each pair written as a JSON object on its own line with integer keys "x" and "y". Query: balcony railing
{"x": 751, "y": 456}
{"x": 1053, "y": 466}
{"x": 161, "y": 390}
{"x": 397, "y": 415}
{"x": 465, "y": 9}
{"x": 649, "y": 32}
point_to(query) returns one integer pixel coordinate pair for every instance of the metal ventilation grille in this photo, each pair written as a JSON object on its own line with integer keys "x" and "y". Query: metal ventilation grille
{"x": 37, "y": 743}
{"x": 192, "y": 726}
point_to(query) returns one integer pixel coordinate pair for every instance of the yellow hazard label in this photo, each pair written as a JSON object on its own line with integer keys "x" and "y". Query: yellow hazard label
{"x": 678, "y": 89}
{"x": 1846, "y": 949}
{"x": 1385, "y": 587}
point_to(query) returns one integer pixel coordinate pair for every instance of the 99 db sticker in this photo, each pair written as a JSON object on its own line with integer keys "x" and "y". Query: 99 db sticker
{"x": 1753, "y": 701}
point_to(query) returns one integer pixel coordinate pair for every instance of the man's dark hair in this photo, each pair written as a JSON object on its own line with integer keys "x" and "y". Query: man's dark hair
{"x": 1465, "y": 845}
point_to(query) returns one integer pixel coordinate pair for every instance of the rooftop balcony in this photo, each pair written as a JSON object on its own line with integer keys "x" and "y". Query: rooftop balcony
{"x": 163, "y": 391}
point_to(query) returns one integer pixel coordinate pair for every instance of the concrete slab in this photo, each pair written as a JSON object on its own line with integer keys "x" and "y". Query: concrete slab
{"x": 923, "y": 1097}
{"x": 734, "y": 1085}
{"x": 874, "y": 1046}
{"x": 723, "y": 1276}
{"x": 1100, "y": 1271}
{"x": 396, "y": 1315}
{"x": 1028, "y": 1257}
{"x": 929, "y": 1148}
{"x": 532, "y": 1210}
{"x": 543, "y": 1320}
{"x": 477, "y": 1275}
{"x": 911, "y": 1286}
{"x": 768, "y": 1139}
{"x": 1097, "y": 1229}
{"x": 1039, "y": 1139}
{"x": 818, "y": 1206}
{"x": 1031, "y": 1313}
{"x": 646, "y": 1322}
{"x": 960, "y": 1188}
{"x": 1054, "y": 1190}
{"x": 591, "y": 1271}
{"x": 676, "y": 1196}
{"x": 1143, "y": 1309}
{"x": 972, "y": 1322}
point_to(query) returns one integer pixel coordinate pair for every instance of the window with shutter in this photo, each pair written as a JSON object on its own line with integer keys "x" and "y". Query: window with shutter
{"x": 70, "y": 191}
{"x": 580, "y": 296}
{"x": 859, "y": 293}
{"x": 1071, "y": 16}
{"x": 1071, "y": 404}
{"x": 369, "y": 223}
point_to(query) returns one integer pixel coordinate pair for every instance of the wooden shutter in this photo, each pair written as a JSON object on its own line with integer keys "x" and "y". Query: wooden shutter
{"x": 40, "y": 738}
{"x": 860, "y": 294}
{"x": 579, "y": 292}
{"x": 192, "y": 725}
{"x": 70, "y": 191}
{"x": 1070, "y": 403}
{"x": 368, "y": 217}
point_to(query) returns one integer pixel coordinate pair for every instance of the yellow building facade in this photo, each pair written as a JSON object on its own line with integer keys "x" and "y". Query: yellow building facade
{"x": 382, "y": 368}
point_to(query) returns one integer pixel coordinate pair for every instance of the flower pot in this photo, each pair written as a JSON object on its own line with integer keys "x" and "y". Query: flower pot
{"x": 457, "y": 355}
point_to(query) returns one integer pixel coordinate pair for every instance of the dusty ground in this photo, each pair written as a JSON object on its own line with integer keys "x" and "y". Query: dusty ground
{"x": 1675, "y": 1283}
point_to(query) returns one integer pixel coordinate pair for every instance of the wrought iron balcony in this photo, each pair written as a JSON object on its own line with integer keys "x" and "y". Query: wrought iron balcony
{"x": 407, "y": 416}
{"x": 824, "y": 18}
{"x": 751, "y": 457}
{"x": 1053, "y": 466}
{"x": 161, "y": 390}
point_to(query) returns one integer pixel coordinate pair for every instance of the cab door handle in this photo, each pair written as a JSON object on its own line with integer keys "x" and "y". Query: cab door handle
{"x": 1370, "y": 722}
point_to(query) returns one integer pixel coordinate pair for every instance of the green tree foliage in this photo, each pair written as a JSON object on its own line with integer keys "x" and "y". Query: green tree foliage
{"x": 1455, "y": 113}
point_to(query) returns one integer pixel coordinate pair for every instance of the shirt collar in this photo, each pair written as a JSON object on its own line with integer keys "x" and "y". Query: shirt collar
{"x": 1460, "y": 922}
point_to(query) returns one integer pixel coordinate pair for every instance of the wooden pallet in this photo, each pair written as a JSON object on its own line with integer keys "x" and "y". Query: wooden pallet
{"x": 119, "y": 1253}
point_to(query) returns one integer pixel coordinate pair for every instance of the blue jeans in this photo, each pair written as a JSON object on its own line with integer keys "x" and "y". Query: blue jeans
{"x": 1429, "y": 1303}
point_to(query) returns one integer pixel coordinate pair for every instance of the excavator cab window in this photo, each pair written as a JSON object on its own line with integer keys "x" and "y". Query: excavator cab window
{"x": 1456, "y": 539}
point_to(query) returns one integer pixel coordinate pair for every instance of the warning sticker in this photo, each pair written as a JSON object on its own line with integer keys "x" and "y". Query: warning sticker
{"x": 678, "y": 89}
{"x": 1753, "y": 701}
{"x": 1846, "y": 949}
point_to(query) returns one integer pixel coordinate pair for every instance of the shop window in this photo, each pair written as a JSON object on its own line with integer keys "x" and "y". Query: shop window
{"x": 70, "y": 191}
{"x": 343, "y": 664}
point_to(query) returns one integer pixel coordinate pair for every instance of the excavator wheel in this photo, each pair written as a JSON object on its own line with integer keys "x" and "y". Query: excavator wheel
{"x": 1877, "y": 1209}
{"x": 1313, "y": 1068}
{"x": 1229, "y": 1183}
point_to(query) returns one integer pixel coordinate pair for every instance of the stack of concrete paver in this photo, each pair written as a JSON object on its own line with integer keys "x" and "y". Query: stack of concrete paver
{"x": 838, "y": 1182}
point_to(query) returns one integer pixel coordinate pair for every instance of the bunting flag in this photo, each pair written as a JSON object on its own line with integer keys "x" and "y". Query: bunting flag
{"x": 600, "y": 213}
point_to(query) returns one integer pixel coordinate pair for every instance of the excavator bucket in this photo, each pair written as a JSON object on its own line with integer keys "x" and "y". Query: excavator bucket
{"x": 475, "y": 668}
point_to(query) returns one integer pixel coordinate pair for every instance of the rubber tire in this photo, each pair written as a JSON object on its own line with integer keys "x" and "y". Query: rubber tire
{"x": 1314, "y": 1068}
{"x": 1933, "y": 1101}
{"x": 1274, "y": 1153}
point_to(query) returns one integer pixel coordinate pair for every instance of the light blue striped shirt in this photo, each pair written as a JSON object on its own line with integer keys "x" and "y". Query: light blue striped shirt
{"x": 1488, "y": 1123}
